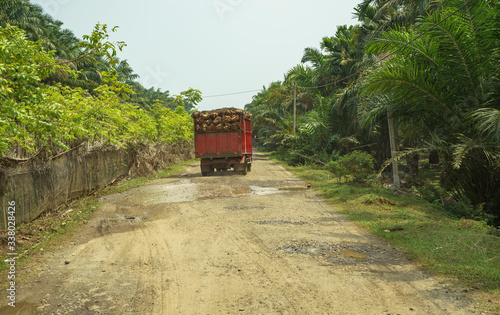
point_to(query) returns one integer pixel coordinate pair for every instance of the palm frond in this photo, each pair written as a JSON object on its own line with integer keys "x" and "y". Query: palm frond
{"x": 488, "y": 122}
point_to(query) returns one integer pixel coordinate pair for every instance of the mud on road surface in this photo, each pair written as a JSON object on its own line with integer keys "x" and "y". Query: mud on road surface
{"x": 231, "y": 244}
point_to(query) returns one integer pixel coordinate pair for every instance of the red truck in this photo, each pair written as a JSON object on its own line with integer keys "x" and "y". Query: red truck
{"x": 223, "y": 140}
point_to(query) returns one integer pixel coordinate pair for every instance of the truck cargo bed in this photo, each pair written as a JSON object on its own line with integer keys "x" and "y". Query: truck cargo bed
{"x": 223, "y": 140}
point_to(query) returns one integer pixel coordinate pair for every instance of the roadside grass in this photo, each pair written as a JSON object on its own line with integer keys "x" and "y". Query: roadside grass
{"x": 50, "y": 230}
{"x": 457, "y": 249}
{"x": 47, "y": 232}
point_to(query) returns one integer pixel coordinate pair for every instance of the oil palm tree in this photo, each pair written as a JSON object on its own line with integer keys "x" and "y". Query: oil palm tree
{"x": 390, "y": 14}
{"x": 443, "y": 85}
{"x": 125, "y": 72}
{"x": 272, "y": 114}
{"x": 23, "y": 14}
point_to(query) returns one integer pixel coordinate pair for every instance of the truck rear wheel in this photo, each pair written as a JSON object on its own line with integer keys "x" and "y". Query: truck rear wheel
{"x": 206, "y": 170}
{"x": 245, "y": 168}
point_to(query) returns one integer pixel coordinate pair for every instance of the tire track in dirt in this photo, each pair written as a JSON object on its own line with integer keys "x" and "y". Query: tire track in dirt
{"x": 256, "y": 255}
{"x": 166, "y": 278}
{"x": 255, "y": 244}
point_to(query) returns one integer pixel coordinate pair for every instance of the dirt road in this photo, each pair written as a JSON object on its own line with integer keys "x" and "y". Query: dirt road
{"x": 256, "y": 244}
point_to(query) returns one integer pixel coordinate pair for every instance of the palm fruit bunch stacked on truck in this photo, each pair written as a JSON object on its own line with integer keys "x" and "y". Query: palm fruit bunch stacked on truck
{"x": 224, "y": 119}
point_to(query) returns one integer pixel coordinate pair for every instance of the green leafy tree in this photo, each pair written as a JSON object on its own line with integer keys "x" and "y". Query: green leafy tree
{"x": 188, "y": 99}
{"x": 22, "y": 121}
{"x": 41, "y": 119}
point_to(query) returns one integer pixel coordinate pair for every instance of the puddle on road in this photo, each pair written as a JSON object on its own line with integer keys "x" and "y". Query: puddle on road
{"x": 209, "y": 192}
{"x": 331, "y": 252}
{"x": 185, "y": 190}
{"x": 264, "y": 191}
{"x": 352, "y": 254}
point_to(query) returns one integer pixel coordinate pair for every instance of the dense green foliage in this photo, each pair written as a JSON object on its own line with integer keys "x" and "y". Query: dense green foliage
{"x": 37, "y": 117}
{"x": 356, "y": 166}
{"x": 431, "y": 65}
{"x": 58, "y": 92}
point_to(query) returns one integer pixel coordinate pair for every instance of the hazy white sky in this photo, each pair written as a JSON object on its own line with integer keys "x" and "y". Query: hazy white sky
{"x": 216, "y": 46}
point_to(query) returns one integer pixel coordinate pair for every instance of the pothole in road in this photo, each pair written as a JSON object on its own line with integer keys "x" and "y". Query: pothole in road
{"x": 222, "y": 191}
{"x": 332, "y": 252}
{"x": 152, "y": 194}
{"x": 245, "y": 208}
{"x": 355, "y": 255}
{"x": 112, "y": 225}
{"x": 295, "y": 188}
{"x": 264, "y": 191}
{"x": 274, "y": 222}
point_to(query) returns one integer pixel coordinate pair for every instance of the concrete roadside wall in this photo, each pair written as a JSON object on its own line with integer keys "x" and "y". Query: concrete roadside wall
{"x": 40, "y": 186}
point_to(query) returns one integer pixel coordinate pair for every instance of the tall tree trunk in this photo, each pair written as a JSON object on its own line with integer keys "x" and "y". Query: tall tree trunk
{"x": 392, "y": 138}
{"x": 384, "y": 146}
{"x": 412, "y": 162}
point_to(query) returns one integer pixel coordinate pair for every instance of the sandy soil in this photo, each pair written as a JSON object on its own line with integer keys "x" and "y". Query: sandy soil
{"x": 230, "y": 244}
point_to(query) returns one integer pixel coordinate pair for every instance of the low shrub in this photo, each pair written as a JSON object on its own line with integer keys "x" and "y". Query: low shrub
{"x": 431, "y": 192}
{"x": 466, "y": 210}
{"x": 356, "y": 166}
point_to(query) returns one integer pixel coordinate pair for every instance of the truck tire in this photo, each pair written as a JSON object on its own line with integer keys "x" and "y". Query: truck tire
{"x": 245, "y": 167}
{"x": 206, "y": 170}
